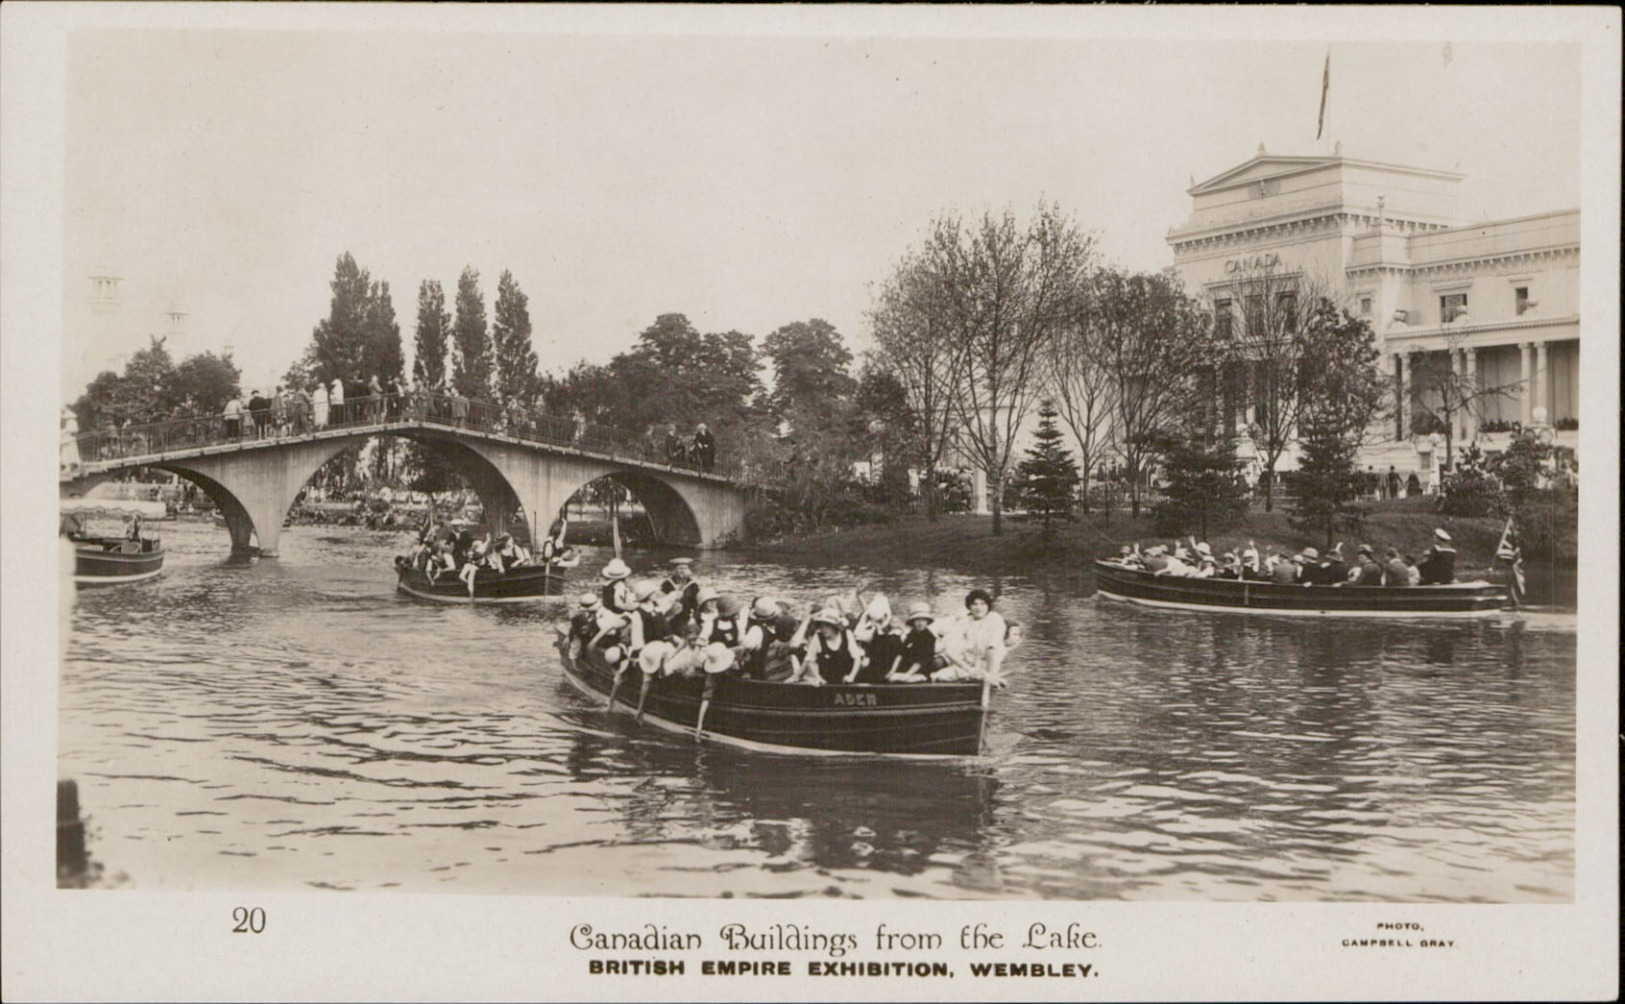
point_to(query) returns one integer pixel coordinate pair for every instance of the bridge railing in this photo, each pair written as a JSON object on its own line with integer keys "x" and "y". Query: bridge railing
{"x": 299, "y": 421}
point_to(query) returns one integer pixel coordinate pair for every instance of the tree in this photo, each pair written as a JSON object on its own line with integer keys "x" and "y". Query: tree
{"x": 431, "y": 342}
{"x": 1267, "y": 335}
{"x": 339, "y": 343}
{"x": 382, "y": 356}
{"x": 516, "y": 379}
{"x": 205, "y": 382}
{"x": 1047, "y": 479}
{"x": 1080, "y": 386}
{"x": 1004, "y": 294}
{"x": 1205, "y": 489}
{"x": 882, "y": 415}
{"x": 910, "y": 327}
{"x": 810, "y": 367}
{"x": 1341, "y": 392}
{"x": 1442, "y": 396}
{"x": 1154, "y": 341}
{"x": 471, "y": 344}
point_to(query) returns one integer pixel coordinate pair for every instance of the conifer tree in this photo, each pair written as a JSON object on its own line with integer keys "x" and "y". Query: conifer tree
{"x": 1047, "y": 478}
{"x": 1205, "y": 490}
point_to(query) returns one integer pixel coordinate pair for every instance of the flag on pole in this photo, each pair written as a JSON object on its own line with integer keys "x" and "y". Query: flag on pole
{"x": 1511, "y": 554}
{"x": 1325, "y": 85}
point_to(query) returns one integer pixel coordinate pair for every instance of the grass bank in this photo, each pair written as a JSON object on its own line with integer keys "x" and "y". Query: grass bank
{"x": 966, "y": 543}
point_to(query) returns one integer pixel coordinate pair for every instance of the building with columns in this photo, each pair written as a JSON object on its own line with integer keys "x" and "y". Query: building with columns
{"x": 1478, "y": 323}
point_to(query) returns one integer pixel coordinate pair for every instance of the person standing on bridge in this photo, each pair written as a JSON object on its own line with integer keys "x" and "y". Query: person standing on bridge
{"x": 676, "y": 451}
{"x": 705, "y": 448}
{"x": 375, "y": 395}
{"x": 259, "y": 408}
{"x": 335, "y": 399}
{"x": 319, "y": 402}
{"x": 301, "y": 411}
{"x": 233, "y": 416}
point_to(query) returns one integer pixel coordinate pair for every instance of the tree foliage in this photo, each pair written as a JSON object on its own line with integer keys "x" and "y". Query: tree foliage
{"x": 1080, "y": 384}
{"x": 1155, "y": 344}
{"x": 516, "y": 376}
{"x": 471, "y": 341}
{"x": 1342, "y": 393}
{"x": 432, "y": 340}
{"x": 1205, "y": 490}
{"x": 153, "y": 389}
{"x": 1046, "y": 480}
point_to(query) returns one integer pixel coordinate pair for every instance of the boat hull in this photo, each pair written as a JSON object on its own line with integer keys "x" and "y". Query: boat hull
{"x": 904, "y": 719}
{"x": 101, "y": 562}
{"x": 1458, "y": 600}
{"x": 517, "y": 585}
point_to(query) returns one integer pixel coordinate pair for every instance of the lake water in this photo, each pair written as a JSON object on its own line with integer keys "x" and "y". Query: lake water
{"x": 293, "y": 723}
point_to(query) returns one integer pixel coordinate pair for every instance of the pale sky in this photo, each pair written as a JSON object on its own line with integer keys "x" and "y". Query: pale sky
{"x": 747, "y": 182}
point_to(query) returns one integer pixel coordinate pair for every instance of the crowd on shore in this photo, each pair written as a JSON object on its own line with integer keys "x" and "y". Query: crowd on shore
{"x": 678, "y": 627}
{"x": 1308, "y": 567}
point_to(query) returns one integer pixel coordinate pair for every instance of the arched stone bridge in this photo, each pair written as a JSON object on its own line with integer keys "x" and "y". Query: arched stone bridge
{"x": 534, "y": 462}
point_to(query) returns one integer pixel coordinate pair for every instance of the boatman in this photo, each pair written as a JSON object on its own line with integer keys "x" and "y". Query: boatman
{"x": 1438, "y": 564}
{"x": 616, "y": 593}
{"x": 680, "y": 590}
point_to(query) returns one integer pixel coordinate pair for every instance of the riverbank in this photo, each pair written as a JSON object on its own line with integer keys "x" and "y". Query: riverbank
{"x": 966, "y": 543}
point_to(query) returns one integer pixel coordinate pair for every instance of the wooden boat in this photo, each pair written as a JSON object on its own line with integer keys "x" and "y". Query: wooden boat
{"x": 1461, "y": 599}
{"x": 108, "y": 560}
{"x": 907, "y": 719}
{"x": 520, "y": 584}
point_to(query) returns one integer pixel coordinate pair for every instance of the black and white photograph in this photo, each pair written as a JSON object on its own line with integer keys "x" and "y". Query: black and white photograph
{"x": 904, "y": 495}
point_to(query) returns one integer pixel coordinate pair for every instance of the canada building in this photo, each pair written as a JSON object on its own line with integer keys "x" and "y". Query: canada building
{"x": 1477, "y": 322}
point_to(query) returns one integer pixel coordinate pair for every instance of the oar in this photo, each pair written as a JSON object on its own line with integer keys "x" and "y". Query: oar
{"x": 699, "y": 723}
{"x": 643, "y": 695}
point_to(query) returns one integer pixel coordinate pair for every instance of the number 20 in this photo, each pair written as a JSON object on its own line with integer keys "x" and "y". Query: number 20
{"x": 248, "y": 921}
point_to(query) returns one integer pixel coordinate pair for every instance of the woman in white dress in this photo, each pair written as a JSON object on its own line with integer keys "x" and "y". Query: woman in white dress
{"x": 320, "y": 404}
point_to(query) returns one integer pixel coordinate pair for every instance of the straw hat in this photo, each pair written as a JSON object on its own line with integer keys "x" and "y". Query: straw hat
{"x": 728, "y": 606}
{"x": 1202, "y": 548}
{"x": 919, "y": 612}
{"x": 616, "y": 569}
{"x": 719, "y": 658}
{"x": 681, "y": 562}
{"x": 589, "y": 601}
{"x": 764, "y": 609}
{"x": 1439, "y": 533}
{"x": 705, "y": 595}
{"x": 830, "y": 617}
{"x": 879, "y": 608}
{"x": 643, "y": 589}
{"x": 1366, "y": 549}
{"x": 1311, "y": 554}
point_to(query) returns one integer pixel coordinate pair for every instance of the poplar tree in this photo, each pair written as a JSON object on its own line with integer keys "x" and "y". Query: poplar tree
{"x": 516, "y": 379}
{"x": 433, "y": 333}
{"x": 471, "y": 344}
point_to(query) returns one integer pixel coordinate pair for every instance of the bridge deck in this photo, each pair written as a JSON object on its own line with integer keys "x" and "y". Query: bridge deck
{"x": 139, "y": 446}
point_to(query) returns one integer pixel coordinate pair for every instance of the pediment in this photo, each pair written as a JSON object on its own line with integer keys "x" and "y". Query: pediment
{"x": 1261, "y": 167}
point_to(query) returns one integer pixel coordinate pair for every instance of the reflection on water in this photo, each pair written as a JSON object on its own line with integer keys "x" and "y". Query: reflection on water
{"x": 293, "y": 723}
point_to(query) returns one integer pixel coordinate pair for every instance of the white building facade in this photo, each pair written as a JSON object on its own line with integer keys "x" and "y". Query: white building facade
{"x": 1495, "y": 304}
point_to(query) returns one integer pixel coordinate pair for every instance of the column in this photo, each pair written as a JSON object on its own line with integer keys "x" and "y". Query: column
{"x": 1453, "y": 401}
{"x": 1542, "y": 380}
{"x": 1407, "y": 367}
{"x": 1469, "y": 414}
{"x": 1526, "y": 386}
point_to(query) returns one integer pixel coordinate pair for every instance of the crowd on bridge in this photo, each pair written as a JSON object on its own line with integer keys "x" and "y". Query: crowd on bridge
{"x": 678, "y": 627}
{"x": 1308, "y": 567}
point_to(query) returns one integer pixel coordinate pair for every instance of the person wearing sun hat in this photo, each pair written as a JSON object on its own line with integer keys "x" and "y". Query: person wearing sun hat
{"x": 584, "y": 623}
{"x": 829, "y": 652}
{"x": 719, "y": 660}
{"x": 1366, "y": 571}
{"x": 757, "y": 639}
{"x": 616, "y": 593}
{"x": 918, "y": 657}
{"x": 680, "y": 589}
{"x": 647, "y": 634}
{"x": 1311, "y": 571}
{"x": 1438, "y": 564}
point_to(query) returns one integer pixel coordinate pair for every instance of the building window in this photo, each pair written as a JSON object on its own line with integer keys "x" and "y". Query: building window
{"x": 1365, "y": 306}
{"x": 1257, "y": 322}
{"x": 1450, "y": 305}
{"x": 1286, "y": 307}
{"x": 1221, "y": 317}
{"x": 1520, "y": 296}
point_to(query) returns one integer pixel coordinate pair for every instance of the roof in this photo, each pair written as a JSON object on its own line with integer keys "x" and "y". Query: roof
{"x": 1272, "y": 165}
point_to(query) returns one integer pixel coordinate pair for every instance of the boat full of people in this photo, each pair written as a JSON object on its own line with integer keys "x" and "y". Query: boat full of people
{"x": 450, "y": 565}
{"x": 841, "y": 676}
{"x": 112, "y": 559}
{"x": 1307, "y": 583}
